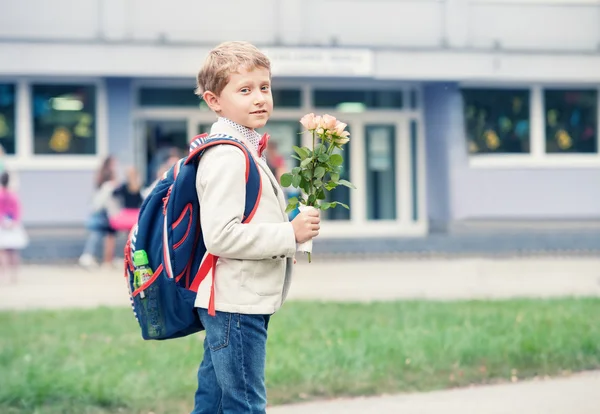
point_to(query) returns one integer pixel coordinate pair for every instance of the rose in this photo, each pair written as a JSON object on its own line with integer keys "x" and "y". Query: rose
{"x": 328, "y": 122}
{"x": 310, "y": 122}
{"x": 340, "y": 127}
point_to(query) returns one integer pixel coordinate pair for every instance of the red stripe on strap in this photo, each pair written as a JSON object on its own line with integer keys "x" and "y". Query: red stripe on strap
{"x": 202, "y": 272}
{"x": 149, "y": 282}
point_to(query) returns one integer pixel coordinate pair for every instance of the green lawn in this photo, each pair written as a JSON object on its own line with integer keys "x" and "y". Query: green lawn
{"x": 94, "y": 361}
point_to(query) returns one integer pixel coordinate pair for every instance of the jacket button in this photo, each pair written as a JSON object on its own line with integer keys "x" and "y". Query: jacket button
{"x": 274, "y": 257}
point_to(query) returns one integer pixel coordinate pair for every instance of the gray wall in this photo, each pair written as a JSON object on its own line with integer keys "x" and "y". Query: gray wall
{"x": 524, "y": 25}
{"x": 457, "y": 191}
{"x": 55, "y": 197}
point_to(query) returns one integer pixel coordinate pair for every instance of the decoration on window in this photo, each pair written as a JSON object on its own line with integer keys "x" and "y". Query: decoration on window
{"x": 4, "y": 130}
{"x": 552, "y": 118}
{"x": 60, "y": 140}
{"x": 517, "y": 105}
{"x": 563, "y": 139}
{"x": 82, "y": 129}
{"x": 491, "y": 139}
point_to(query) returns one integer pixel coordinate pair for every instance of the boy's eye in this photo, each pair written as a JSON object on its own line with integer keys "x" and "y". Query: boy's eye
{"x": 245, "y": 90}
{"x": 266, "y": 87}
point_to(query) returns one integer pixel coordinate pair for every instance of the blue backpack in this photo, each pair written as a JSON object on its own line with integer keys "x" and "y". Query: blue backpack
{"x": 170, "y": 232}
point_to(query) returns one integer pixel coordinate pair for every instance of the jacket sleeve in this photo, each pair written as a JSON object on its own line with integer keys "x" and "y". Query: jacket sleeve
{"x": 221, "y": 188}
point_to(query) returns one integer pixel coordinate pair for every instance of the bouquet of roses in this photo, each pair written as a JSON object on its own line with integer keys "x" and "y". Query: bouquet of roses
{"x": 320, "y": 167}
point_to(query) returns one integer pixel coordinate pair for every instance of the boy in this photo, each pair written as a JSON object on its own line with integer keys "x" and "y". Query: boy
{"x": 255, "y": 259}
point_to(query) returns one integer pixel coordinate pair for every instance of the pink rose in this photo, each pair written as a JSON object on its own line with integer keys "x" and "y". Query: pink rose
{"x": 309, "y": 121}
{"x": 328, "y": 122}
{"x": 339, "y": 128}
{"x": 341, "y": 141}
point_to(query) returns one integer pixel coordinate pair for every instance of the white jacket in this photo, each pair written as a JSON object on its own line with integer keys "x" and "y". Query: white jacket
{"x": 254, "y": 269}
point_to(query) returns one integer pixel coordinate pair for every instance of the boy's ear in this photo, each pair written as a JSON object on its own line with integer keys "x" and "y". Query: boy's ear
{"x": 212, "y": 101}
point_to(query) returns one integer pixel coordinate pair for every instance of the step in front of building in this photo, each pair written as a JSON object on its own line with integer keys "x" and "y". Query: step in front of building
{"x": 65, "y": 245}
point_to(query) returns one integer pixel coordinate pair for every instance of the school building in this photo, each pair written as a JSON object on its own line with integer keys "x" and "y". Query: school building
{"x": 459, "y": 110}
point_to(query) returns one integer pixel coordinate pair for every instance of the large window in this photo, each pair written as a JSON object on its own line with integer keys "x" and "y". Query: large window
{"x": 64, "y": 119}
{"x": 152, "y": 97}
{"x": 496, "y": 120}
{"x": 357, "y": 99}
{"x": 571, "y": 120}
{"x": 7, "y": 118}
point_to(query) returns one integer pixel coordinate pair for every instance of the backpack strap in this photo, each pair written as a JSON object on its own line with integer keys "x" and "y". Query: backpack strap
{"x": 253, "y": 194}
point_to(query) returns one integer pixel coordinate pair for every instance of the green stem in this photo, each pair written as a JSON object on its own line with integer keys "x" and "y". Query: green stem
{"x": 313, "y": 168}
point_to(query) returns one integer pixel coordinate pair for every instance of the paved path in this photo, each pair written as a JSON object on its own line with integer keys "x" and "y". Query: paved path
{"x": 70, "y": 286}
{"x": 578, "y": 394}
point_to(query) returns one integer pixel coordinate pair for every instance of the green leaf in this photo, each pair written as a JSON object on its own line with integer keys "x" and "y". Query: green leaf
{"x": 336, "y": 160}
{"x": 302, "y": 152}
{"x": 296, "y": 181}
{"x": 293, "y": 200}
{"x": 296, "y": 170}
{"x": 337, "y": 203}
{"x": 296, "y": 157}
{"x": 319, "y": 172}
{"x": 335, "y": 177}
{"x": 347, "y": 184}
{"x": 311, "y": 199}
{"x": 321, "y": 194}
{"x": 324, "y": 157}
{"x": 305, "y": 162}
{"x": 290, "y": 208}
{"x": 330, "y": 186}
{"x": 325, "y": 205}
{"x": 286, "y": 180}
{"x": 305, "y": 185}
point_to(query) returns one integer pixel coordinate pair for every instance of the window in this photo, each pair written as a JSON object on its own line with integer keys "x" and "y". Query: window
{"x": 571, "y": 118}
{"x": 182, "y": 97}
{"x": 64, "y": 119}
{"x": 496, "y": 120}
{"x": 7, "y": 118}
{"x": 287, "y": 98}
{"x": 357, "y": 99}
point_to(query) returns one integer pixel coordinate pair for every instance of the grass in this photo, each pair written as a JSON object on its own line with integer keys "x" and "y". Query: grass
{"x": 95, "y": 362}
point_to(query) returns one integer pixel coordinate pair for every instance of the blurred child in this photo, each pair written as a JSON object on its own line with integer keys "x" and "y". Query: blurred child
{"x": 98, "y": 224}
{"x": 12, "y": 234}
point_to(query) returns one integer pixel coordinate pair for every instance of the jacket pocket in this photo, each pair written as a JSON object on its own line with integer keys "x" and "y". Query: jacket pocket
{"x": 266, "y": 277}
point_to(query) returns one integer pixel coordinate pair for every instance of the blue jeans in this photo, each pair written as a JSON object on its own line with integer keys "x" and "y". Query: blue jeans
{"x": 231, "y": 377}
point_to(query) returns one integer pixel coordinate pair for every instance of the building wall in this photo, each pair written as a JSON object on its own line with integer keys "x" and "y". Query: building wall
{"x": 458, "y": 191}
{"x": 55, "y": 197}
{"x": 559, "y": 24}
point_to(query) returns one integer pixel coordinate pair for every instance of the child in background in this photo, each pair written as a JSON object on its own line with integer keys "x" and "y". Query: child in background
{"x": 12, "y": 233}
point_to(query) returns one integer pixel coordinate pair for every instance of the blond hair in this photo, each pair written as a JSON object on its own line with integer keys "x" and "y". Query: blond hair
{"x": 225, "y": 59}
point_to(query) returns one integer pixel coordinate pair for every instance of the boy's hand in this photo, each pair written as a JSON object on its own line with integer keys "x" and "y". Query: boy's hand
{"x": 306, "y": 225}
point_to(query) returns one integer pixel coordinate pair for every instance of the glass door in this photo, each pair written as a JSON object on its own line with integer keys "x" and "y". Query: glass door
{"x": 165, "y": 140}
{"x": 380, "y": 140}
{"x": 341, "y": 193}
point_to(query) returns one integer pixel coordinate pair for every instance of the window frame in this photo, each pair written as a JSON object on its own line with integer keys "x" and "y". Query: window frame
{"x": 24, "y": 157}
{"x": 537, "y": 156}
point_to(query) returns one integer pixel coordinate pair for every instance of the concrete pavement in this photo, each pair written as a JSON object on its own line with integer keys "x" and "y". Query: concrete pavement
{"x": 578, "y": 394}
{"x": 72, "y": 286}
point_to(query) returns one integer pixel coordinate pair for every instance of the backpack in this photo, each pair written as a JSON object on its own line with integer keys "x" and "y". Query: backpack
{"x": 169, "y": 231}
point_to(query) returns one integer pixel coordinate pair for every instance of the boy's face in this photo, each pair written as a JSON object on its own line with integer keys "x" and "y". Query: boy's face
{"x": 246, "y": 99}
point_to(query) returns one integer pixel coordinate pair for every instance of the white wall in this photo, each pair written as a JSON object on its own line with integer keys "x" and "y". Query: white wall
{"x": 572, "y": 25}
